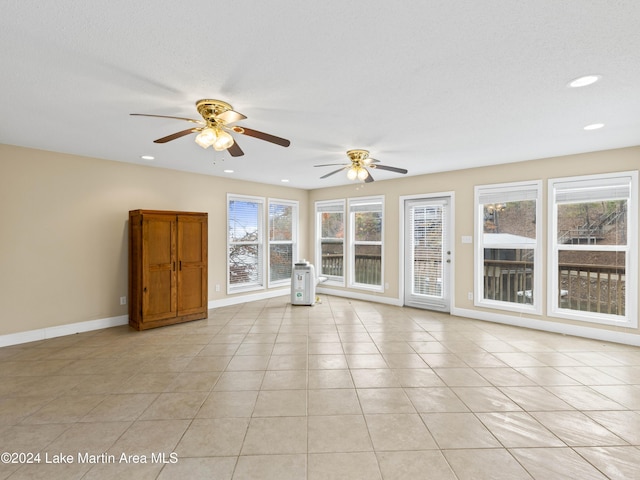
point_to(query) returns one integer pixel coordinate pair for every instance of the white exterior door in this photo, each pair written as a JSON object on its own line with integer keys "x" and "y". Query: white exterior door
{"x": 427, "y": 253}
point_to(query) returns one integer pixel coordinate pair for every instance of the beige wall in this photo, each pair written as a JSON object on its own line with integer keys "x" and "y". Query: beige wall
{"x": 462, "y": 184}
{"x": 63, "y": 240}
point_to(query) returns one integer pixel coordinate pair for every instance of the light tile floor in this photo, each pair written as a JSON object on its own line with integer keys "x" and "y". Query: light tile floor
{"x": 341, "y": 390}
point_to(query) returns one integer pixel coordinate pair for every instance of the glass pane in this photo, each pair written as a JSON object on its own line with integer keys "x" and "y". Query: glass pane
{"x": 244, "y": 265}
{"x": 593, "y": 223}
{"x": 280, "y": 262}
{"x": 368, "y": 226}
{"x": 508, "y": 275}
{"x": 243, "y": 221}
{"x": 280, "y": 222}
{"x": 332, "y": 225}
{"x": 426, "y": 244}
{"x": 592, "y": 281}
{"x": 332, "y": 258}
{"x": 368, "y": 264}
{"x": 513, "y": 218}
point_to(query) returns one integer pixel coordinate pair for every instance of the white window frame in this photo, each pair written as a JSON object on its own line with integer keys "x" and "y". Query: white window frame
{"x": 324, "y": 207}
{"x": 360, "y": 204}
{"x": 560, "y": 187}
{"x": 293, "y": 242}
{"x": 503, "y": 193}
{"x": 260, "y": 284}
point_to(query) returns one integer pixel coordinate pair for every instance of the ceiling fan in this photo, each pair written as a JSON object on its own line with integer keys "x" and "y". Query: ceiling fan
{"x": 360, "y": 165}
{"x": 217, "y": 117}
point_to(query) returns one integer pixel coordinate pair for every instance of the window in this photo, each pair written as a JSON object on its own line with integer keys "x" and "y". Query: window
{"x": 366, "y": 242}
{"x": 593, "y": 260}
{"x": 245, "y": 243}
{"x": 508, "y": 259}
{"x": 330, "y": 227}
{"x": 283, "y": 229}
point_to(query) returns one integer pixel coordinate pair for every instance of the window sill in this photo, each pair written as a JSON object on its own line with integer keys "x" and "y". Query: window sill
{"x": 591, "y": 317}
{"x": 509, "y": 306}
{"x": 243, "y": 289}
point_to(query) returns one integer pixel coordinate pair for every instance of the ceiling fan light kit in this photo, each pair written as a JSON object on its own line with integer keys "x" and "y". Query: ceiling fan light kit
{"x": 214, "y": 137}
{"x": 357, "y": 172}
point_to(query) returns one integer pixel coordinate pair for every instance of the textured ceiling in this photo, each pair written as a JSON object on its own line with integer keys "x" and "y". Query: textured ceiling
{"x": 428, "y": 86}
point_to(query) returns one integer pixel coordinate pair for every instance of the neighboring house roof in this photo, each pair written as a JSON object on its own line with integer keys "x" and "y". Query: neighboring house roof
{"x": 506, "y": 239}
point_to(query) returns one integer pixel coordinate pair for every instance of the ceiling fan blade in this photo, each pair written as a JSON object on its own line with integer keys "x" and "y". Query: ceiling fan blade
{"x": 391, "y": 169}
{"x": 283, "y": 142}
{"x": 329, "y": 164}
{"x": 334, "y": 172}
{"x": 166, "y": 116}
{"x": 173, "y": 136}
{"x": 230, "y": 116}
{"x": 369, "y": 178}
{"x": 235, "y": 150}
{"x": 370, "y": 160}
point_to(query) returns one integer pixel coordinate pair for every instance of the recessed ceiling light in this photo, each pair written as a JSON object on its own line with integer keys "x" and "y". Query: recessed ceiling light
{"x": 228, "y": 171}
{"x": 285, "y": 180}
{"x": 594, "y": 126}
{"x": 147, "y": 157}
{"x": 584, "y": 81}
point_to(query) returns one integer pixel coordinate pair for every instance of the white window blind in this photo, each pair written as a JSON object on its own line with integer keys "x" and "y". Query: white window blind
{"x": 593, "y": 190}
{"x": 427, "y": 237}
{"x": 365, "y": 206}
{"x": 507, "y": 194}
{"x": 330, "y": 207}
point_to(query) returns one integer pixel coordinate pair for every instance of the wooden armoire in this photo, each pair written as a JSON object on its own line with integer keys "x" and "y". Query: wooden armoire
{"x": 167, "y": 268}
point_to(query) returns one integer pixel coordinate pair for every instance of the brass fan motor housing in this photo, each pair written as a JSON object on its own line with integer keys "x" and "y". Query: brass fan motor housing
{"x": 357, "y": 154}
{"x": 210, "y": 109}
{"x": 358, "y": 157}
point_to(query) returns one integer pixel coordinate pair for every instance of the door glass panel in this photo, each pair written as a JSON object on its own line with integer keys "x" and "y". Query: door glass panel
{"x": 427, "y": 250}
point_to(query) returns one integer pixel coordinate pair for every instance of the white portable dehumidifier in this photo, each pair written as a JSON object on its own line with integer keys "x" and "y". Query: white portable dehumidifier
{"x": 303, "y": 284}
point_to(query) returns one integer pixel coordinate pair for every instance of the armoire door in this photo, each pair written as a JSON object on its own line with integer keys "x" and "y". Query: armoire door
{"x": 192, "y": 264}
{"x": 159, "y": 300}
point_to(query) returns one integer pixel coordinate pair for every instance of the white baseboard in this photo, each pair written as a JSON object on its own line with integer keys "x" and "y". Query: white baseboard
{"x": 61, "y": 330}
{"x": 360, "y": 296}
{"x": 235, "y": 300}
{"x": 90, "y": 325}
{"x": 547, "y": 326}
